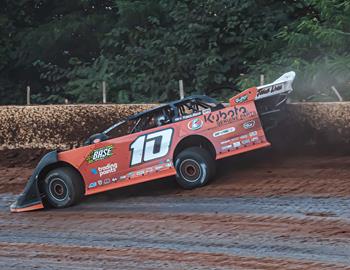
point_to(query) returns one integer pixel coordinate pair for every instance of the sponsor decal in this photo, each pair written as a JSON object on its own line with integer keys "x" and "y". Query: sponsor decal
{"x": 114, "y": 179}
{"x": 188, "y": 116}
{"x": 109, "y": 168}
{"x": 140, "y": 173}
{"x": 206, "y": 111}
{"x": 253, "y": 133}
{"x": 244, "y": 136}
{"x": 150, "y": 169}
{"x": 270, "y": 89}
{"x": 241, "y": 99}
{"x": 101, "y": 182}
{"x": 163, "y": 165}
{"x": 226, "y": 147}
{"x": 107, "y": 181}
{"x": 100, "y": 154}
{"x": 222, "y": 118}
{"x": 92, "y": 185}
{"x": 236, "y": 144}
{"x": 224, "y": 132}
{"x": 195, "y": 124}
{"x": 158, "y": 167}
{"x": 94, "y": 171}
{"x": 249, "y": 124}
{"x": 225, "y": 142}
{"x": 254, "y": 139}
{"x": 246, "y": 141}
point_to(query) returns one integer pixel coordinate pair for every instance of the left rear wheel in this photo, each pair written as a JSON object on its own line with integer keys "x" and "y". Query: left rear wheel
{"x": 194, "y": 167}
{"x": 63, "y": 187}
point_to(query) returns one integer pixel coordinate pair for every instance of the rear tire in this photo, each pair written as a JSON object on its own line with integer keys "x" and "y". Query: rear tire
{"x": 63, "y": 187}
{"x": 194, "y": 167}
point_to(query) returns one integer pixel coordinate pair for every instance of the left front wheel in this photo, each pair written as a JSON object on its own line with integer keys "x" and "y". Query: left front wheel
{"x": 63, "y": 187}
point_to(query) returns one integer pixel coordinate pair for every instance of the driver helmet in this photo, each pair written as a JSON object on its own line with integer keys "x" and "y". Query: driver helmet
{"x": 160, "y": 120}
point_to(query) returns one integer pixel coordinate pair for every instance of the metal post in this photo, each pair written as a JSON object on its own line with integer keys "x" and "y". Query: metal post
{"x": 181, "y": 88}
{"x": 28, "y": 95}
{"x": 104, "y": 94}
{"x": 262, "y": 79}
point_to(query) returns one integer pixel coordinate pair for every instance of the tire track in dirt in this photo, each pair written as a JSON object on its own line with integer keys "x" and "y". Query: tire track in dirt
{"x": 51, "y": 256}
{"x": 231, "y": 226}
{"x": 290, "y": 213}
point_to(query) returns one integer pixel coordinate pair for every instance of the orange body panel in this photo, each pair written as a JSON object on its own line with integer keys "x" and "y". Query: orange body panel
{"x": 131, "y": 159}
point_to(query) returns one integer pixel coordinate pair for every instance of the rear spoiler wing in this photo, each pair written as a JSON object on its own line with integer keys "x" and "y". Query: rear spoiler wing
{"x": 283, "y": 85}
{"x": 280, "y": 87}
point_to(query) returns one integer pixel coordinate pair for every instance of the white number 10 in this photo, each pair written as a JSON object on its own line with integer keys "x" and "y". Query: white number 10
{"x": 151, "y": 146}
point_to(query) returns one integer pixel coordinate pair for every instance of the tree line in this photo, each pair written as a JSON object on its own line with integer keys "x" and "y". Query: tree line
{"x": 65, "y": 49}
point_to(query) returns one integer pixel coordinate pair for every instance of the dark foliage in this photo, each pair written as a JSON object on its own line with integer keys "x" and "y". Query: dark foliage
{"x": 65, "y": 49}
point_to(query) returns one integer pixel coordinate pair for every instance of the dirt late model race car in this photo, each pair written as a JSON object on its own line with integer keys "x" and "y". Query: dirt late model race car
{"x": 182, "y": 138}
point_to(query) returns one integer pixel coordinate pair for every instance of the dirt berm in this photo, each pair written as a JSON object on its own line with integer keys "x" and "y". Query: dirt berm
{"x": 265, "y": 209}
{"x": 65, "y": 126}
{"x": 58, "y": 126}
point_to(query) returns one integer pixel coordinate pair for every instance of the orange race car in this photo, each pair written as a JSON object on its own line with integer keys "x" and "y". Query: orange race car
{"x": 182, "y": 138}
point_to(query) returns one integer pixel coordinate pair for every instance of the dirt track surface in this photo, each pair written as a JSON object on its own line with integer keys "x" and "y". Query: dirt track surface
{"x": 261, "y": 212}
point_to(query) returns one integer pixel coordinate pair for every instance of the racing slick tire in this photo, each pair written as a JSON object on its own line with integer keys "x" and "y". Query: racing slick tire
{"x": 63, "y": 187}
{"x": 194, "y": 167}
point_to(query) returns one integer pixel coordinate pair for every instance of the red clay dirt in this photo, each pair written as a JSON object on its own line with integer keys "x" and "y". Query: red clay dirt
{"x": 262, "y": 211}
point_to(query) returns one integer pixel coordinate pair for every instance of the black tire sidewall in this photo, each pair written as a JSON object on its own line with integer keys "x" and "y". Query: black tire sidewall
{"x": 202, "y": 158}
{"x": 66, "y": 178}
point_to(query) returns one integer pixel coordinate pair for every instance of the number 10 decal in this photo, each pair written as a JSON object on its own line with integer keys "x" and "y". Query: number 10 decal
{"x": 151, "y": 146}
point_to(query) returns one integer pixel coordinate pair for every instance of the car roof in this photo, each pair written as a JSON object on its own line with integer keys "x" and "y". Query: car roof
{"x": 173, "y": 104}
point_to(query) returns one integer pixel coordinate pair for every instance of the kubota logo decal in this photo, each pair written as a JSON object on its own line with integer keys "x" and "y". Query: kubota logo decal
{"x": 195, "y": 124}
{"x": 227, "y": 117}
{"x": 100, "y": 154}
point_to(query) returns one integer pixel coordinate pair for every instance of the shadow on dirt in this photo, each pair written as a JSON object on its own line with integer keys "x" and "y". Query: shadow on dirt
{"x": 263, "y": 160}
{"x": 168, "y": 185}
{"x": 252, "y": 166}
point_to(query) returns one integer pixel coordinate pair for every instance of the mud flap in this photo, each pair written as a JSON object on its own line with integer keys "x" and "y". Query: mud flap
{"x": 30, "y": 198}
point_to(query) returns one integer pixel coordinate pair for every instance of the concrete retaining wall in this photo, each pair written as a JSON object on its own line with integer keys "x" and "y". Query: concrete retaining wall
{"x": 65, "y": 126}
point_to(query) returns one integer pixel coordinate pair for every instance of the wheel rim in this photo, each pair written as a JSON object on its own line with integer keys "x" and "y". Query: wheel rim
{"x": 58, "y": 189}
{"x": 190, "y": 170}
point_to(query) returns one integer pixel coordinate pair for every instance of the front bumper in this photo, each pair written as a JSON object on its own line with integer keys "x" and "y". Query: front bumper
{"x": 16, "y": 209}
{"x": 30, "y": 198}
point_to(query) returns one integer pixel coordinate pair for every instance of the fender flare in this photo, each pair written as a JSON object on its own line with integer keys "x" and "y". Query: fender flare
{"x": 30, "y": 197}
{"x": 193, "y": 140}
